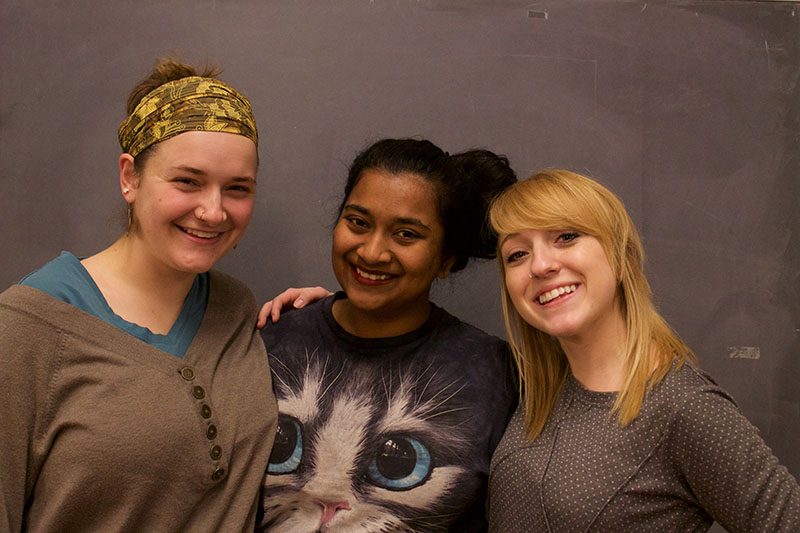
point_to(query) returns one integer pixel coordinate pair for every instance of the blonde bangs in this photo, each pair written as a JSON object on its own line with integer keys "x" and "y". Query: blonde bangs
{"x": 563, "y": 200}
{"x": 556, "y": 207}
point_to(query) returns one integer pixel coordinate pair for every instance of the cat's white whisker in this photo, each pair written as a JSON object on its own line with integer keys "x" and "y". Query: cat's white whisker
{"x": 333, "y": 381}
{"x": 446, "y": 412}
{"x": 430, "y": 405}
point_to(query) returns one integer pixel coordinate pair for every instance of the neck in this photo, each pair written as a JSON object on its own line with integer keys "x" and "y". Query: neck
{"x": 598, "y": 360}
{"x": 138, "y": 288}
{"x": 374, "y": 325}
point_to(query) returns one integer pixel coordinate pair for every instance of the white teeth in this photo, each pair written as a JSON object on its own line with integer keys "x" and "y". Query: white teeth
{"x": 372, "y": 277}
{"x": 203, "y": 234}
{"x": 555, "y": 293}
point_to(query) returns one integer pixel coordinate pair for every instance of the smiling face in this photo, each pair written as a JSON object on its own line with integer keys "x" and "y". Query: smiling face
{"x": 561, "y": 283}
{"x": 192, "y": 200}
{"x": 387, "y": 249}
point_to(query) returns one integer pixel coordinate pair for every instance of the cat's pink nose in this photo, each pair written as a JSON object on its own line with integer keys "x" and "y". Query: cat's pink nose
{"x": 329, "y": 509}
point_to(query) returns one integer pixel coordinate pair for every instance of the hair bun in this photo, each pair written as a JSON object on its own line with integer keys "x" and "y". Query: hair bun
{"x": 486, "y": 175}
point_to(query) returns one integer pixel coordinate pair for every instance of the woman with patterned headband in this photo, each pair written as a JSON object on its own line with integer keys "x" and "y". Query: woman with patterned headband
{"x": 134, "y": 388}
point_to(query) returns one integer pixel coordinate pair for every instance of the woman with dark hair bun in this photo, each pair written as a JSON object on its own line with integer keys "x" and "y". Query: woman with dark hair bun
{"x": 135, "y": 390}
{"x": 390, "y": 407}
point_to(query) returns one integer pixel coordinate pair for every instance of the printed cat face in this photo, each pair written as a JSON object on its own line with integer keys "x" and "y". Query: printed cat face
{"x": 376, "y": 448}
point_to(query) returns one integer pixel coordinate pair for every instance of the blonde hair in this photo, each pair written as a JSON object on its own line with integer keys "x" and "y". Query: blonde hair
{"x": 559, "y": 199}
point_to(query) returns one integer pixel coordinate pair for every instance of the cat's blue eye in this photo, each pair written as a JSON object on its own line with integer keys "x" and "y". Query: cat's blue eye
{"x": 287, "y": 451}
{"x": 401, "y": 463}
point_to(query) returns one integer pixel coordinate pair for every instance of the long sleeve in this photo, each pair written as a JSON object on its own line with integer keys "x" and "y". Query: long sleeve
{"x": 732, "y": 472}
{"x": 27, "y": 350}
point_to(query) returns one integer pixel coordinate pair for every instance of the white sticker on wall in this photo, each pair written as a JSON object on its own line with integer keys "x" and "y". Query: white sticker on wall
{"x": 744, "y": 352}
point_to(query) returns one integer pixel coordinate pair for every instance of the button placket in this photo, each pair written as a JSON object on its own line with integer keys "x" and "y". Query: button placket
{"x": 199, "y": 394}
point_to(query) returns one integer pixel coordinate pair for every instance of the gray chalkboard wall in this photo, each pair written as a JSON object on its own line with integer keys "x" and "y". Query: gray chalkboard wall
{"x": 689, "y": 110}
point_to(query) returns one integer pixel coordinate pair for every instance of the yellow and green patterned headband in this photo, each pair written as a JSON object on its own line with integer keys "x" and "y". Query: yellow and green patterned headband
{"x": 187, "y": 104}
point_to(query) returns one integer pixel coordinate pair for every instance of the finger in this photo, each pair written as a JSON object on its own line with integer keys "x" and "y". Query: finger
{"x": 275, "y": 312}
{"x": 263, "y": 313}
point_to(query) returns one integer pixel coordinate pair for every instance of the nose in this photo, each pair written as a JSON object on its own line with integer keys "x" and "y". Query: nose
{"x": 210, "y": 209}
{"x": 329, "y": 509}
{"x": 543, "y": 263}
{"x": 374, "y": 250}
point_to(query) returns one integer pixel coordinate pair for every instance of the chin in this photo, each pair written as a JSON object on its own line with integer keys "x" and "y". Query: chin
{"x": 365, "y": 304}
{"x": 196, "y": 266}
{"x": 557, "y": 330}
{"x": 562, "y": 331}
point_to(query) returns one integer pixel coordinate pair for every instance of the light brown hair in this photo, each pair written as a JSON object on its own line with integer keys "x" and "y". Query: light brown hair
{"x": 165, "y": 70}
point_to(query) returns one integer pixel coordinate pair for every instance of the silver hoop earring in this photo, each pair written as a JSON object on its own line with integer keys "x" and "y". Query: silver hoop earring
{"x": 202, "y": 214}
{"x": 530, "y": 275}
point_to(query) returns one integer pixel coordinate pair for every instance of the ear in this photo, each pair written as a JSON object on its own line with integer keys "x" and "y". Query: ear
{"x": 444, "y": 270}
{"x": 128, "y": 179}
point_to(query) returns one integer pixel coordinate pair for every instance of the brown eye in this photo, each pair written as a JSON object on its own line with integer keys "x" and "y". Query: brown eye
{"x": 407, "y": 235}
{"x": 568, "y": 236}
{"x": 357, "y": 222}
{"x": 514, "y": 256}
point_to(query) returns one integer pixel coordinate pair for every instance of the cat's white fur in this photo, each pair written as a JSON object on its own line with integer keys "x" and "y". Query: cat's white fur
{"x": 291, "y": 500}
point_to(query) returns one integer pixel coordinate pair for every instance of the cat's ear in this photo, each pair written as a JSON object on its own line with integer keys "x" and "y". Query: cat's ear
{"x": 444, "y": 270}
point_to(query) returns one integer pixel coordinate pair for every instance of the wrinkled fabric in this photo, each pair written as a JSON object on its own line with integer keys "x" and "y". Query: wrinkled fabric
{"x": 187, "y": 104}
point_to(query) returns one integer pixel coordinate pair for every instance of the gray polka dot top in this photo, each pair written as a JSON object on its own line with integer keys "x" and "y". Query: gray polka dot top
{"x": 689, "y": 458}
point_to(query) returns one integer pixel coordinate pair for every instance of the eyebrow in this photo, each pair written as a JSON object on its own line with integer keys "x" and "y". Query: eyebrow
{"x": 199, "y": 172}
{"x": 504, "y": 239}
{"x": 402, "y": 220}
{"x": 190, "y": 170}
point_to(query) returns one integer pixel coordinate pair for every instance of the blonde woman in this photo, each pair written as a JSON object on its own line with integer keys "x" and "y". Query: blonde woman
{"x": 617, "y": 429}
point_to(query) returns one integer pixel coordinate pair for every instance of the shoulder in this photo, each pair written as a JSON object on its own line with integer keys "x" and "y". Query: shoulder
{"x": 226, "y": 286}
{"x": 678, "y": 406}
{"x": 56, "y": 266}
{"x": 701, "y": 412}
{"x": 62, "y": 277}
{"x": 20, "y": 301}
{"x": 33, "y": 323}
{"x": 484, "y": 360}
{"x": 25, "y": 304}
{"x": 300, "y": 323}
{"x": 514, "y": 438}
{"x": 230, "y": 294}
{"x": 486, "y": 357}
{"x": 452, "y": 329}
{"x": 684, "y": 387}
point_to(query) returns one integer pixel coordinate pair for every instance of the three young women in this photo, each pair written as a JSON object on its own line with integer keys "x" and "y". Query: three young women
{"x": 136, "y": 394}
{"x": 390, "y": 407}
